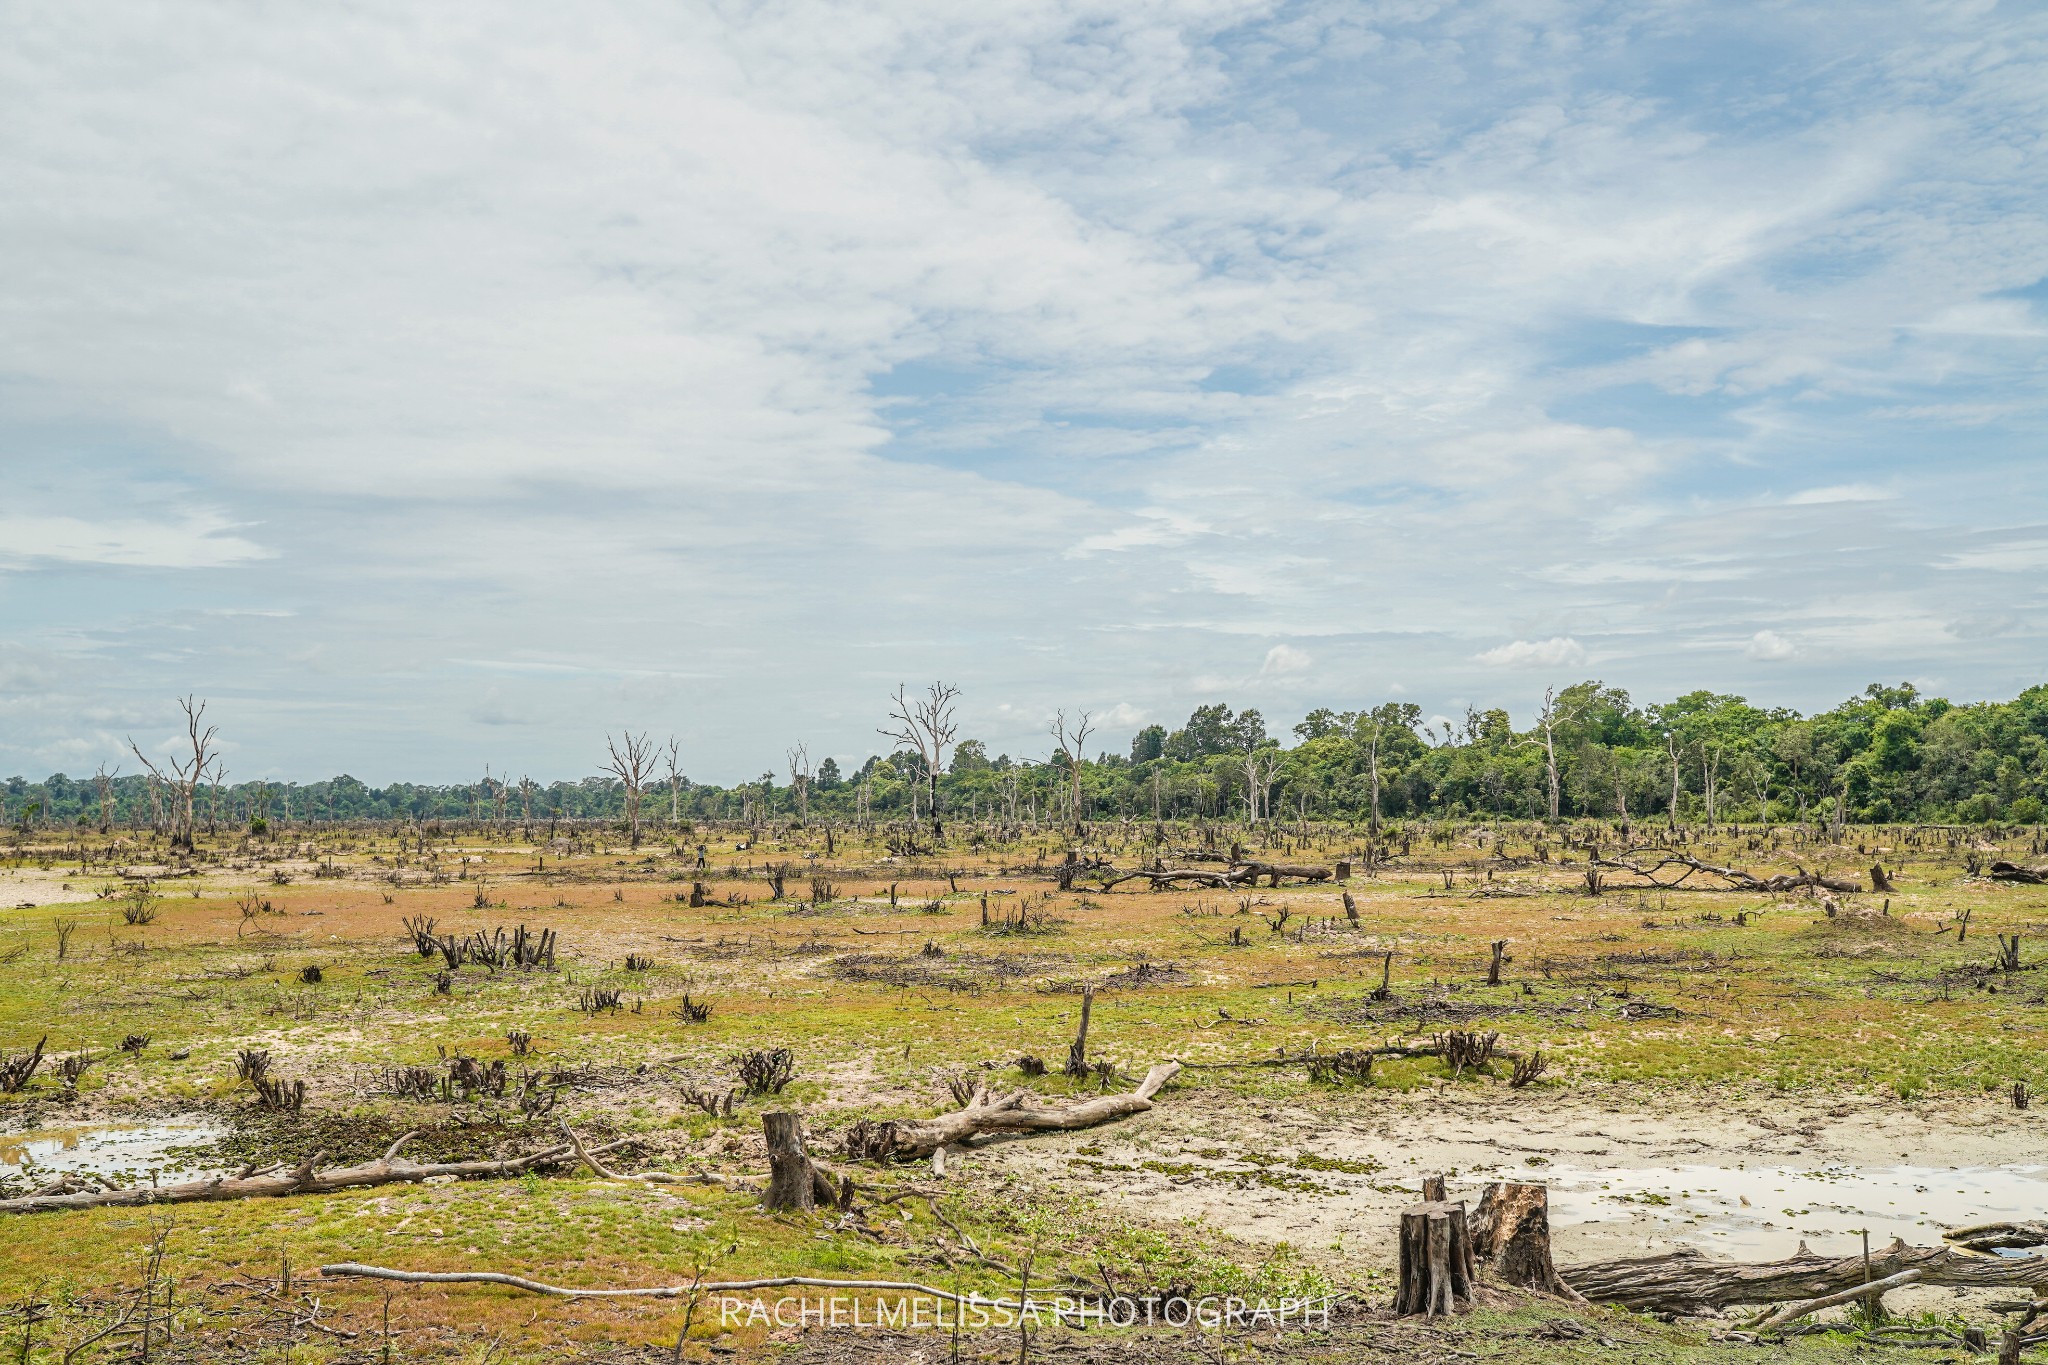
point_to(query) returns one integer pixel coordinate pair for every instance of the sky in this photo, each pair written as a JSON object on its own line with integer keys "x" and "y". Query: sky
{"x": 435, "y": 386}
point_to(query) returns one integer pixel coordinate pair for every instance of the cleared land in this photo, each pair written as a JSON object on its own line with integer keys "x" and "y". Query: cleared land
{"x": 1682, "y": 1027}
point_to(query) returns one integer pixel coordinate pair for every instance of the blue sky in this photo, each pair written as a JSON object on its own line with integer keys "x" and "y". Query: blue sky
{"x": 434, "y": 387}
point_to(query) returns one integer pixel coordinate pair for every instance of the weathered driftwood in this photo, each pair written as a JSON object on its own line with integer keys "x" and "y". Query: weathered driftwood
{"x": 388, "y": 1169}
{"x": 1511, "y": 1238}
{"x": 1436, "y": 1260}
{"x": 917, "y": 1139}
{"x": 1687, "y": 1280}
{"x": 1733, "y": 878}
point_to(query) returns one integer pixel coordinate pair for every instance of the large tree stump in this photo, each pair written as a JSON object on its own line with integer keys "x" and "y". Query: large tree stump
{"x": 1436, "y": 1259}
{"x": 1511, "y": 1238}
{"x": 794, "y": 1180}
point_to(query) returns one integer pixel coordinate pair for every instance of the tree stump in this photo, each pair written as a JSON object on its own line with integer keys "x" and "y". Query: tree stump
{"x": 1436, "y": 1260}
{"x": 1077, "y": 1051}
{"x": 794, "y": 1180}
{"x": 1511, "y": 1237}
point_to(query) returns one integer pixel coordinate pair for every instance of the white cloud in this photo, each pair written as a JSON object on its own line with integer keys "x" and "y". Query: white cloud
{"x": 1841, "y": 492}
{"x": 670, "y": 337}
{"x": 1557, "y": 652}
{"x": 1285, "y": 660}
{"x": 1123, "y": 716}
{"x": 1769, "y": 647}
{"x": 2024, "y": 556}
{"x": 190, "y": 541}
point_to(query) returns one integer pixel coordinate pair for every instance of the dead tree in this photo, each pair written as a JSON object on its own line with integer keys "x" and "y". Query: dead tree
{"x": 925, "y": 725}
{"x": 103, "y": 785}
{"x": 1260, "y": 767}
{"x": 917, "y": 1139}
{"x": 632, "y": 765}
{"x": 1074, "y": 745}
{"x": 1077, "y": 1051}
{"x": 674, "y": 755}
{"x": 185, "y": 774}
{"x": 800, "y": 779}
{"x": 1511, "y": 1238}
{"x": 1547, "y": 720}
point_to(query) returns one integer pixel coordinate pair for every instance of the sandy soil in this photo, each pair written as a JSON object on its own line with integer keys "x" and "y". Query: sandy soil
{"x": 30, "y": 886}
{"x": 1475, "y": 1139}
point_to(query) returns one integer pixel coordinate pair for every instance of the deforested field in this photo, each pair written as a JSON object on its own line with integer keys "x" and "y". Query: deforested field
{"x": 230, "y": 1067}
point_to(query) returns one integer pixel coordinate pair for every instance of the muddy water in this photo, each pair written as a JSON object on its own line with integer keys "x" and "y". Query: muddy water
{"x": 1765, "y": 1211}
{"x": 167, "y": 1150}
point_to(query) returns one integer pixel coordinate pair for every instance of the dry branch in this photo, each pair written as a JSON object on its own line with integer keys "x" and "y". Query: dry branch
{"x": 388, "y": 1169}
{"x": 670, "y": 1291}
{"x": 917, "y": 1139}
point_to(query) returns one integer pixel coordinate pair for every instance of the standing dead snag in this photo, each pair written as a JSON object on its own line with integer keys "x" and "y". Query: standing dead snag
{"x": 1077, "y": 1051}
{"x": 1511, "y": 1238}
{"x": 1073, "y": 746}
{"x": 185, "y": 774}
{"x": 926, "y": 727}
{"x": 633, "y": 766}
{"x": 917, "y": 1139}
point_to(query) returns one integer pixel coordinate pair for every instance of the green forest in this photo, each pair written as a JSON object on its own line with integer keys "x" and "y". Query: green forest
{"x": 1888, "y": 755}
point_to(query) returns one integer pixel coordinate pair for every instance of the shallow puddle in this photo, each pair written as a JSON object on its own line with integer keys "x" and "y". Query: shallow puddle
{"x": 1763, "y": 1212}
{"x": 167, "y": 1150}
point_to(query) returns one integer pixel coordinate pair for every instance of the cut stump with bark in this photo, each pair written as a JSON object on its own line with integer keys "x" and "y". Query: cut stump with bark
{"x": 1436, "y": 1260}
{"x": 794, "y": 1180}
{"x": 1511, "y": 1238}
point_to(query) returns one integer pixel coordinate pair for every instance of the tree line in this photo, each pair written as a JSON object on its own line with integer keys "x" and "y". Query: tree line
{"x": 1888, "y": 755}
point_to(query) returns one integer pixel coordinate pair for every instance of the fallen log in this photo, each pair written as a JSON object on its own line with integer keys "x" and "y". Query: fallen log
{"x": 1687, "y": 1281}
{"x": 1998, "y": 1236}
{"x": 346, "y": 1269}
{"x": 1734, "y": 878}
{"x": 2014, "y": 872}
{"x": 917, "y": 1139}
{"x": 388, "y": 1169}
{"x": 1308, "y": 872}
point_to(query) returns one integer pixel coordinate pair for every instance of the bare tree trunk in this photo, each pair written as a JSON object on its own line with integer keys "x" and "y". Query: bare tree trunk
{"x": 1077, "y": 1051}
{"x": 1511, "y": 1237}
{"x": 794, "y": 1180}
